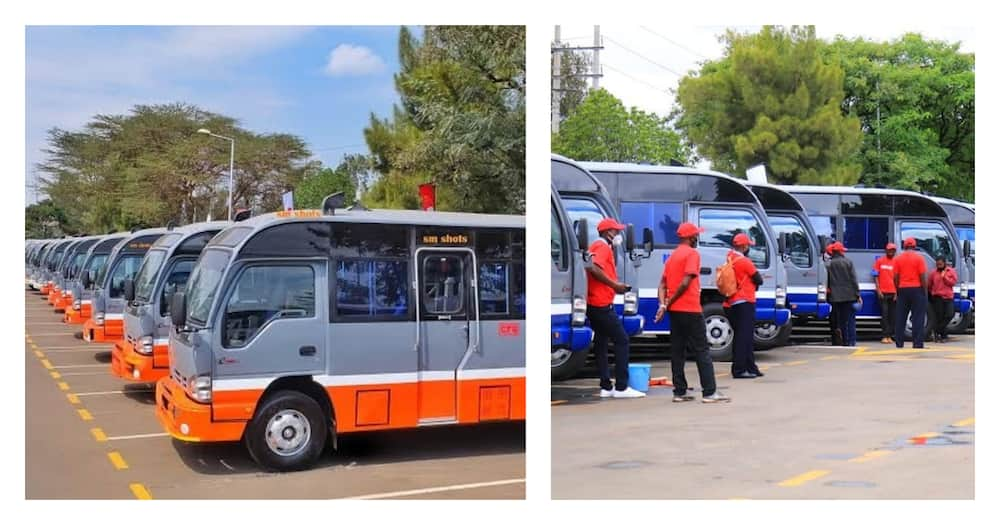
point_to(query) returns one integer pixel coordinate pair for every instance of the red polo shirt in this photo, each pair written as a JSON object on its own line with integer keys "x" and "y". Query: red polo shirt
{"x": 598, "y": 293}
{"x": 744, "y": 269}
{"x": 884, "y": 267}
{"x": 684, "y": 261}
{"x": 909, "y": 265}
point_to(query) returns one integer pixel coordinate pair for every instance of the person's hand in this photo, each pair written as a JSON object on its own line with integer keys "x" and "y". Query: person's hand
{"x": 660, "y": 311}
{"x": 879, "y": 294}
{"x": 620, "y": 287}
{"x": 861, "y": 301}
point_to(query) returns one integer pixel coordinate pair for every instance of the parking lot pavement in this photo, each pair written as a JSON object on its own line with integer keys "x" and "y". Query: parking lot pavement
{"x": 871, "y": 422}
{"x": 90, "y": 435}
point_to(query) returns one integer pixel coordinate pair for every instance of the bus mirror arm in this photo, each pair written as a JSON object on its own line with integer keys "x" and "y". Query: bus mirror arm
{"x": 85, "y": 279}
{"x": 178, "y": 310}
{"x": 783, "y": 246}
{"x": 966, "y": 249}
{"x": 629, "y": 237}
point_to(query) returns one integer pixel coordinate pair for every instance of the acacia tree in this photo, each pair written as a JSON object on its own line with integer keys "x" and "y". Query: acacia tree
{"x": 771, "y": 99}
{"x": 601, "y": 129}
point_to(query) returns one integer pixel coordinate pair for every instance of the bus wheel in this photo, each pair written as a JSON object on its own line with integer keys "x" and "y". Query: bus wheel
{"x": 566, "y": 363}
{"x": 908, "y": 332}
{"x": 288, "y": 432}
{"x": 960, "y": 323}
{"x": 770, "y": 335}
{"x": 719, "y": 332}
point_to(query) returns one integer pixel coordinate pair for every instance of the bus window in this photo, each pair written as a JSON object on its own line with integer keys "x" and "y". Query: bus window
{"x": 722, "y": 225}
{"x": 580, "y": 208}
{"x": 798, "y": 248}
{"x": 147, "y": 272}
{"x": 932, "y": 238}
{"x": 444, "y": 285}
{"x": 661, "y": 217}
{"x": 517, "y": 289}
{"x": 127, "y": 266}
{"x": 558, "y": 244}
{"x": 262, "y": 294}
{"x": 866, "y": 233}
{"x": 823, "y": 225}
{"x": 367, "y": 288}
{"x": 204, "y": 284}
{"x": 968, "y": 233}
{"x": 175, "y": 282}
{"x": 493, "y": 299}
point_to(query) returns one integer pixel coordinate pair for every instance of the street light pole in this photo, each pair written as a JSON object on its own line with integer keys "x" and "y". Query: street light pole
{"x": 232, "y": 156}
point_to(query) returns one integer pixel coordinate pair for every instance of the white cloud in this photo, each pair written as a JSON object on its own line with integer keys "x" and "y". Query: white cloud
{"x": 350, "y": 60}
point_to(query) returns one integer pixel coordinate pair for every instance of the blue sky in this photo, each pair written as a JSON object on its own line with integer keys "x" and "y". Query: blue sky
{"x": 320, "y": 83}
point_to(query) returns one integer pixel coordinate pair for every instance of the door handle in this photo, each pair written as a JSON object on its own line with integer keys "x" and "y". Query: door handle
{"x": 307, "y": 350}
{"x": 706, "y": 271}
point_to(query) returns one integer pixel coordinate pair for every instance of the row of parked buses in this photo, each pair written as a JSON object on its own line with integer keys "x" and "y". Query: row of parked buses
{"x": 790, "y": 225}
{"x": 287, "y": 329}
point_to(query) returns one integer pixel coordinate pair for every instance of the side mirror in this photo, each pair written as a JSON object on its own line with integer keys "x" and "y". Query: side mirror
{"x": 581, "y": 234}
{"x": 178, "y": 309}
{"x": 647, "y": 240}
{"x": 129, "y": 290}
{"x": 86, "y": 279}
{"x": 629, "y": 237}
{"x": 966, "y": 249}
{"x": 782, "y": 244}
{"x": 824, "y": 241}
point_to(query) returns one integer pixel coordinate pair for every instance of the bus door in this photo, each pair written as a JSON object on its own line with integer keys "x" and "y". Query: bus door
{"x": 802, "y": 263}
{"x": 447, "y": 328}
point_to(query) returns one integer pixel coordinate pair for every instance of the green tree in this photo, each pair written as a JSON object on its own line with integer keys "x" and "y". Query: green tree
{"x": 601, "y": 129}
{"x": 771, "y": 99}
{"x": 44, "y": 220}
{"x": 351, "y": 173}
{"x": 573, "y": 65}
{"x": 915, "y": 99}
{"x": 459, "y": 123}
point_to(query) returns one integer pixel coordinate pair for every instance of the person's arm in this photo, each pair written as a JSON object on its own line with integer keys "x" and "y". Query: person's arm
{"x": 757, "y": 279}
{"x": 950, "y": 277}
{"x": 854, "y": 281}
{"x": 682, "y": 288}
{"x": 599, "y": 274}
{"x": 661, "y": 295}
{"x": 877, "y": 273}
{"x": 895, "y": 280}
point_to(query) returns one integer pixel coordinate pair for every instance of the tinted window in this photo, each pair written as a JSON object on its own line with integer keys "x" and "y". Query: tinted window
{"x": 494, "y": 279}
{"x": 915, "y": 205}
{"x": 580, "y": 208}
{"x": 866, "y": 233}
{"x": 518, "y": 291}
{"x": 866, "y": 204}
{"x": 932, "y": 238}
{"x": 570, "y": 178}
{"x": 819, "y": 204}
{"x": 125, "y": 268}
{"x": 367, "y": 288}
{"x": 652, "y": 187}
{"x": 661, "y": 217}
{"x": 558, "y": 243}
{"x": 722, "y": 225}
{"x": 167, "y": 240}
{"x": 263, "y": 294}
{"x": 824, "y": 226}
{"x": 775, "y": 199}
{"x": 443, "y": 284}
{"x": 296, "y": 239}
{"x": 175, "y": 282}
{"x": 231, "y": 236}
{"x": 797, "y": 247}
{"x": 146, "y": 278}
{"x": 966, "y": 233}
{"x": 371, "y": 240}
{"x": 493, "y": 245}
{"x": 194, "y": 244}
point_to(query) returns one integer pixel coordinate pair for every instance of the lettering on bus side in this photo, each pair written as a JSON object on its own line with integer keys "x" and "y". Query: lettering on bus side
{"x": 447, "y": 239}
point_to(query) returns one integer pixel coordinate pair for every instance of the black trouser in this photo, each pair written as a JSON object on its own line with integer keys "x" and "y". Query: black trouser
{"x": 912, "y": 303}
{"x": 888, "y": 304}
{"x": 608, "y": 326}
{"x": 836, "y": 338}
{"x": 846, "y": 323}
{"x": 687, "y": 332}
{"x": 943, "y": 310}
{"x": 741, "y": 316}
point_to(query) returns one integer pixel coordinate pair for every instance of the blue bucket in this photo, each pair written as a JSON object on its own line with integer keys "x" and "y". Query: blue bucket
{"x": 638, "y": 376}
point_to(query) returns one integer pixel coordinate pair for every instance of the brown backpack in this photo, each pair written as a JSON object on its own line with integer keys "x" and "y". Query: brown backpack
{"x": 725, "y": 279}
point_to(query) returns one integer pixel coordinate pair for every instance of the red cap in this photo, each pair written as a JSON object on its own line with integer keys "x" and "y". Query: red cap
{"x": 687, "y": 229}
{"x": 890, "y": 246}
{"x": 609, "y": 224}
{"x": 741, "y": 239}
{"x": 837, "y": 247}
{"x": 909, "y": 242}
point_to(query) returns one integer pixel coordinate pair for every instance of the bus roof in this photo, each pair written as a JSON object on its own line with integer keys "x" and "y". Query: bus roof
{"x": 401, "y": 217}
{"x": 700, "y": 185}
{"x": 893, "y": 202}
{"x": 571, "y": 176}
{"x": 773, "y": 198}
{"x": 959, "y": 212}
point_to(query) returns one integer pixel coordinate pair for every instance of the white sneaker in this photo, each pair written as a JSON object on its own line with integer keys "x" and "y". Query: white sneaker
{"x": 607, "y": 393}
{"x": 715, "y": 398}
{"x": 628, "y": 393}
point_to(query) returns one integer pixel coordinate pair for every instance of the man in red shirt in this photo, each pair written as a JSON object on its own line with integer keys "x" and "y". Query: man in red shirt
{"x": 602, "y": 286}
{"x": 885, "y": 289}
{"x": 911, "y": 293}
{"x": 942, "y": 292}
{"x": 680, "y": 294}
{"x": 742, "y": 307}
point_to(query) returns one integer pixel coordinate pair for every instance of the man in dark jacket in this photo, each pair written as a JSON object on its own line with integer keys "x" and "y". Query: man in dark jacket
{"x": 843, "y": 292}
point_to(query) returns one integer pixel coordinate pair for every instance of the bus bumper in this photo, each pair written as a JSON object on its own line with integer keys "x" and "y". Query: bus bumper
{"x": 111, "y": 330}
{"x": 778, "y": 316}
{"x": 574, "y": 338}
{"x": 130, "y": 365}
{"x": 811, "y": 309}
{"x": 962, "y": 306}
{"x": 187, "y": 420}
{"x": 633, "y": 324}
{"x": 53, "y": 295}
{"x": 64, "y": 301}
{"x": 80, "y": 316}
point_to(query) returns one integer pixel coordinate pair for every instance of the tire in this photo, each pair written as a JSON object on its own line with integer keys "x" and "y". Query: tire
{"x": 566, "y": 364}
{"x": 908, "y": 331}
{"x": 962, "y": 325}
{"x": 288, "y": 414}
{"x": 768, "y": 335}
{"x": 719, "y": 332}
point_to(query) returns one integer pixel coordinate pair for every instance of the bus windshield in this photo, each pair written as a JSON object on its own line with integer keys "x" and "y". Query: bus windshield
{"x": 797, "y": 248}
{"x": 96, "y": 263}
{"x": 582, "y": 208}
{"x": 74, "y": 267}
{"x": 932, "y": 238}
{"x": 204, "y": 284}
{"x": 146, "y": 277}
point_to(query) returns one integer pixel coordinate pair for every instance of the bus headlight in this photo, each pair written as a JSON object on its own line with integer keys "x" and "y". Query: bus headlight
{"x": 631, "y": 303}
{"x": 145, "y": 345}
{"x": 779, "y": 297}
{"x": 579, "y": 311}
{"x": 201, "y": 389}
{"x": 964, "y": 290}
{"x": 76, "y": 304}
{"x": 821, "y": 293}
{"x": 99, "y": 318}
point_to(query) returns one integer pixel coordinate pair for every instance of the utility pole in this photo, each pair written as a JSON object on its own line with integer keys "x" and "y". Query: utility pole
{"x": 878, "y": 126}
{"x": 556, "y": 82}
{"x": 596, "y": 79}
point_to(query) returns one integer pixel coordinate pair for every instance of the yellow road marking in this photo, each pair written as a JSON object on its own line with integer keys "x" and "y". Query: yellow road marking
{"x": 829, "y": 357}
{"x": 63, "y": 386}
{"x": 896, "y": 351}
{"x": 868, "y": 456}
{"x": 73, "y": 399}
{"x": 140, "y": 491}
{"x": 55, "y": 375}
{"x": 558, "y": 402}
{"x": 926, "y": 435}
{"x": 117, "y": 460}
{"x": 804, "y": 477}
{"x": 794, "y": 363}
{"x": 965, "y": 422}
{"x": 47, "y": 364}
{"x": 38, "y": 353}
{"x": 85, "y": 414}
{"x": 99, "y": 434}
{"x": 962, "y": 356}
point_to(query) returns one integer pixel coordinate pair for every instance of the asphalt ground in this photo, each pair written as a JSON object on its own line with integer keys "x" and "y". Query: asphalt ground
{"x": 89, "y": 435}
{"x": 870, "y": 422}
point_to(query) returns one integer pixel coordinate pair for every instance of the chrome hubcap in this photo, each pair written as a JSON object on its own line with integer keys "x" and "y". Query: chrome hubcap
{"x": 560, "y": 357}
{"x": 766, "y": 331}
{"x": 288, "y": 432}
{"x": 719, "y": 331}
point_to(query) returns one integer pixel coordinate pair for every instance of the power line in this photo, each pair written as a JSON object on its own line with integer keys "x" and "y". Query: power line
{"x": 689, "y": 50}
{"x": 641, "y": 81}
{"x": 644, "y": 57}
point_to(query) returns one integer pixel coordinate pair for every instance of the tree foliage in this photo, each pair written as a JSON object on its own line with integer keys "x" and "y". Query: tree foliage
{"x": 915, "y": 99}
{"x": 150, "y": 167}
{"x": 459, "y": 123}
{"x": 772, "y": 99}
{"x": 44, "y": 220}
{"x": 573, "y": 65}
{"x": 601, "y": 129}
{"x": 350, "y": 175}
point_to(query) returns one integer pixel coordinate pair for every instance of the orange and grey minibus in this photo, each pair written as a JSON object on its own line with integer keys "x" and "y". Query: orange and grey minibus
{"x": 82, "y": 285}
{"x": 298, "y": 326}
